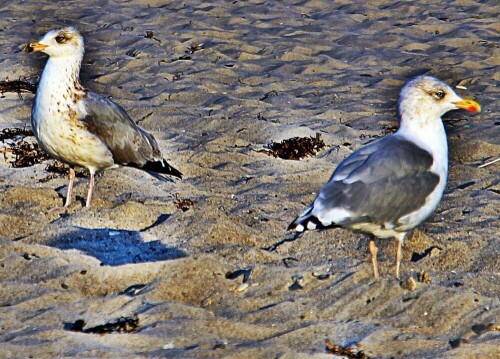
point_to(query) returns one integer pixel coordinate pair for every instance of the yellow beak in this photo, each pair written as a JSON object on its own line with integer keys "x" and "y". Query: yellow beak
{"x": 34, "y": 47}
{"x": 469, "y": 105}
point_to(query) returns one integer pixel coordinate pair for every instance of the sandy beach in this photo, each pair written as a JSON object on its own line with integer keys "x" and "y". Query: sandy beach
{"x": 177, "y": 269}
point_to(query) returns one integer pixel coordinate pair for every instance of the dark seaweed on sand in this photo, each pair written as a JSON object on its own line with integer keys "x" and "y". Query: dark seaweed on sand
{"x": 296, "y": 148}
{"x": 183, "y": 203}
{"x": 10, "y": 133}
{"x": 17, "y": 86}
{"x": 350, "y": 352}
{"x": 58, "y": 169}
{"x": 26, "y": 154}
{"x": 120, "y": 325}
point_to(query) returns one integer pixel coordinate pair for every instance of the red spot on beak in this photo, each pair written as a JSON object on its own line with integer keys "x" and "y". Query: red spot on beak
{"x": 469, "y": 105}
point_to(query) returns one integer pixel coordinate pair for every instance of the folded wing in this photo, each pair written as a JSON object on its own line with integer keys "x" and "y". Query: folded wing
{"x": 379, "y": 184}
{"x": 130, "y": 144}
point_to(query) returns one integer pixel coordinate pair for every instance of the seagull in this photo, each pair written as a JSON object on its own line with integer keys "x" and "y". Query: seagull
{"x": 81, "y": 128}
{"x": 392, "y": 185}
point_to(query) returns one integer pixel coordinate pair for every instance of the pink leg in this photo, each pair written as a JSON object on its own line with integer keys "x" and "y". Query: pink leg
{"x": 91, "y": 189}
{"x": 69, "y": 195}
{"x": 398, "y": 257}
{"x": 373, "y": 251}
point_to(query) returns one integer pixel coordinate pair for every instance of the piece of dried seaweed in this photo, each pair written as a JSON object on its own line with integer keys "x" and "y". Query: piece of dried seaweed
{"x": 26, "y": 154}
{"x": 388, "y": 129}
{"x": 10, "y": 133}
{"x": 120, "y": 325}
{"x": 349, "y": 352}
{"x": 296, "y": 148}
{"x": 195, "y": 47}
{"x": 17, "y": 86}
{"x": 183, "y": 203}
{"x": 58, "y": 169}
{"x": 151, "y": 35}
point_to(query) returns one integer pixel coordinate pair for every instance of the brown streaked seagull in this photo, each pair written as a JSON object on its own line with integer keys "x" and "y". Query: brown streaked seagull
{"x": 390, "y": 186}
{"x": 80, "y": 128}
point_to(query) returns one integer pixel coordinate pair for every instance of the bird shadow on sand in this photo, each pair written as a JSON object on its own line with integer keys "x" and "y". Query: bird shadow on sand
{"x": 115, "y": 247}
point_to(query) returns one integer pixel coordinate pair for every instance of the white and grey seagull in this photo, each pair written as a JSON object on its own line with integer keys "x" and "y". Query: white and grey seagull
{"x": 81, "y": 128}
{"x": 392, "y": 185}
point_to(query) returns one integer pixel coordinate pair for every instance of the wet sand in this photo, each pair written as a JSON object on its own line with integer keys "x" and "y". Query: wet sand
{"x": 215, "y": 83}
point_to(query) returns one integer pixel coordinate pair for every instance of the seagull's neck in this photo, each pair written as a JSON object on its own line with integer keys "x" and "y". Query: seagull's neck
{"x": 58, "y": 94}
{"x": 426, "y": 131}
{"x": 60, "y": 79}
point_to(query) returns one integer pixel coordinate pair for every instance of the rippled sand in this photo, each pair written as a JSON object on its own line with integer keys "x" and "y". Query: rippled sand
{"x": 216, "y": 82}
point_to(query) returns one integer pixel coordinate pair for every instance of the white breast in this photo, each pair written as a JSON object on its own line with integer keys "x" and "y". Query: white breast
{"x": 56, "y": 124}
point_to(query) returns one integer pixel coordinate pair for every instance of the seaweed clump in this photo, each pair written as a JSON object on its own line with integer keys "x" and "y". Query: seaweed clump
{"x": 296, "y": 148}
{"x": 183, "y": 203}
{"x": 120, "y": 325}
{"x": 25, "y": 154}
{"x": 350, "y": 352}
{"x": 17, "y": 86}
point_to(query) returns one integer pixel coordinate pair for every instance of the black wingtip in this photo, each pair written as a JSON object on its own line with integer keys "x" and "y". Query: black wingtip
{"x": 308, "y": 222}
{"x": 292, "y": 225}
{"x": 161, "y": 167}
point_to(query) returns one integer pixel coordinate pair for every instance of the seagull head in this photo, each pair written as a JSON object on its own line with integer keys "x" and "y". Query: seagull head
{"x": 64, "y": 42}
{"x": 427, "y": 97}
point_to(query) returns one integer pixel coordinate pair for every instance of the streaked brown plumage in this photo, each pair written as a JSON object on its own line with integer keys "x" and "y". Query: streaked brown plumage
{"x": 81, "y": 128}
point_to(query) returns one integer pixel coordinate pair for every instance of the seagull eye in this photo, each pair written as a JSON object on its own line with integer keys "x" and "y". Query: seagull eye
{"x": 438, "y": 95}
{"x": 60, "y": 39}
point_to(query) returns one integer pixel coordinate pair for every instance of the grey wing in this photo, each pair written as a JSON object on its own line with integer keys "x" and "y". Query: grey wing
{"x": 381, "y": 182}
{"x": 129, "y": 143}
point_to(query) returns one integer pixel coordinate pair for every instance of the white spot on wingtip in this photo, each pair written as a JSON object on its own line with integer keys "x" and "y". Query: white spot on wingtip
{"x": 299, "y": 228}
{"x": 388, "y": 225}
{"x": 311, "y": 225}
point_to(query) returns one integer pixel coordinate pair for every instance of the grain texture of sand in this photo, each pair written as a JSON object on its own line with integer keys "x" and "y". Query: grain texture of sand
{"x": 176, "y": 269}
